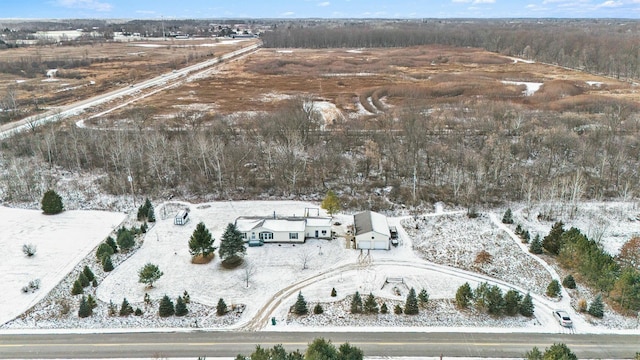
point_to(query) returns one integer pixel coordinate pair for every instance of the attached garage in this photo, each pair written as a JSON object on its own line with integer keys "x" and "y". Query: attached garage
{"x": 372, "y": 231}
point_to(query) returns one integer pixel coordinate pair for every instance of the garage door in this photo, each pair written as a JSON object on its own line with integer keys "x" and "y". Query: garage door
{"x": 364, "y": 244}
{"x": 381, "y": 244}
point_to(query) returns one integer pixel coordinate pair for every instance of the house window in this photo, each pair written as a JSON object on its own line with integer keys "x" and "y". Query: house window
{"x": 266, "y": 236}
{"x": 243, "y": 235}
{"x": 324, "y": 232}
{"x": 293, "y": 236}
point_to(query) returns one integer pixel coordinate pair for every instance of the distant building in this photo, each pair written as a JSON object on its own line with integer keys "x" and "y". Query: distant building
{"x": 371, "y": 231}
{"x": 283, "y": 229}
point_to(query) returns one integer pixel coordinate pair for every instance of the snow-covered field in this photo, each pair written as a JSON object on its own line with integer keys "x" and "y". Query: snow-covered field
{"x": 437, "y": 256}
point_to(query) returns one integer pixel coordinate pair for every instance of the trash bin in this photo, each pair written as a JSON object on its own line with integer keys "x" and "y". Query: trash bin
{"x": 273, "y": 321}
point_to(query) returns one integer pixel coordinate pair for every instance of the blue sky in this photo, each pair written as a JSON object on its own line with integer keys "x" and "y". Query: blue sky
{"x": 155, "y": 9}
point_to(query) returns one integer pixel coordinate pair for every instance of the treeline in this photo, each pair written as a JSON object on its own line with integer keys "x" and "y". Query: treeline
{"x": 486, "y": 159}
{"x": 608, "y": 47}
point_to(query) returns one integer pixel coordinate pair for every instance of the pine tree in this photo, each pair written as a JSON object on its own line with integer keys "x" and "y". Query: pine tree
{"x": 526, "y": 237}
{"x": 151, "y": 215}
{"x": 88, "y": 273}
{"x": 112, "y": 243}
{"x": 103, "y": 250}
{"x": 569, "y": 282}
{"x": 138, "y": 312}
{"x": 397, "y": 309}
{"x": 107, "y": 265}
{"x": 464, "y": 295}
{"x": 147, "y": 299}
{"x": 84, "y": 310}
{"x": 201, "y": 241}
{"x": 495, "y": 301}
{"x": 143, "y": 210}
{"x": 300, "y": 307}
{"x": 125, "y": 239}
{"x": 526, "y": 306}
{"x": 596, "y": 308}
{"x": 518, "y": 230}
{"x": 349, "y": 352}
{"x": 125, "y": 309}
{"x": 318, "y": 309}
{"x": 94, "y": 283}
{"x": 507, "y": 218}
{"x": 356, "y": 303}
{"x": 535, "y": 247}
{"x": 534, "y": 354}
{"x": 112, "y": 309}
{"x": 91, "y": 301}
{"x": 331, "y": 203}
{"x": 221, "y": 308}
{"x": 334, "y": 293}
{"x": 52, "y": 203}
{"x": 411, "y": 305}
{"x": 231, "y": 243}
{"x": 149, "y": 274}
{"x": 553, "y": 289}
{"x": 512, "y": 301}
{"x": 423, "y": 296}
{"x": 370, "y": 305}
{"x": 384, "y": 309}
{"x": 181, "y": 307}
{"x": 186, "y": 297}
{"x": 559, "y": 352}
{"x": 77, "y": 288}
{"x": 553, "y": 241}
{"x": 166, "y": 307}
{"x": 83, "y": 280}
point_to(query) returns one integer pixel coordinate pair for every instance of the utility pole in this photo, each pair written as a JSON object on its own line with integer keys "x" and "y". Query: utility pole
{"x": 162, "y": 19}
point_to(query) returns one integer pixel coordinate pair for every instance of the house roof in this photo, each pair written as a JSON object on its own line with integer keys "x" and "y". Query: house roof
{"x": 318, "y": 221}
{"x": 245, "y": 224}
{"x": 368, "y": 221}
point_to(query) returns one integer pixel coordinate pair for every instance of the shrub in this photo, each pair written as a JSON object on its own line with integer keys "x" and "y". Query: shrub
{"x": 221, "y": 309}
{"x": 582, "y": 305}
{"x": 104, "y": 250}
{"x": 318, "y": 309}
{"x": 384, "y": 309}
{"x": 29, "y": 249}
{"x": 333, "y": 292}
{"x": 125, "y": 309}
{"x": 107, "y": 265}
{"x": 569, "y": 282}
{"x": 138, "y": 312}
{"x": 553, "y": 289}
{"x": 397, "y": 309}
{"x": 125, "y": 239}
{"x": 77, "y": 288}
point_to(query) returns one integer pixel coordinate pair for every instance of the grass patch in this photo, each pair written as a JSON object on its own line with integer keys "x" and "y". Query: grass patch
{"x": 199, "y": 259}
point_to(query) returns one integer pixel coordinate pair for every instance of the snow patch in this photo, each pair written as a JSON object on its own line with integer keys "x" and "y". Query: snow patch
{"x": 531, "y": 89}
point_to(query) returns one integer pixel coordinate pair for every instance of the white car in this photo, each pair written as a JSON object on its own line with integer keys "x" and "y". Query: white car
{"x": 563, "y": 318}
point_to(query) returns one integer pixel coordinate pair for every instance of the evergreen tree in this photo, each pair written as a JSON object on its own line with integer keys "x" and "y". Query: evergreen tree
{"x": 300, "y": 307}
{"x": 569, "y": 282}
{"x": 181, "y": 307}
{"x": 201, "y": 241}
{"x": 526, "y": 306}
{"x": 559, "y": 352}
{"x": 349, "y": 352}
{"x": 77, "y": 288}
{"x": 107, "y": 265}
{"x": 464, "y": 295}
{"x": 84, "y": 310}
{"x": 553, "y": 289}
{"x": 147, "y": 299}
{"x": 83, "y": 280}
{"x": 596, "y": 308}
{"x": 231, "y": 243}
{"x": 384, "y": 309}
{"x": 518, "y": 230}
{"x": 186, "y": 297}
{"x": 526, "y": 237}
{"x": 151, "y": 215}
{"x": 411, "y": 305}
{"x": 91, "y": 301}
{"x": 534, "y": 354}
{"x": 149, "y": 274}
{"x": 495, "y": 301}
{"x": 125, "y": 239}
{"x": 481, "y": 296}
{"x": 143, "y": 210}
{"x": 221, "y": 308}
{"x": 112, "y": 310}
{"x": 166, "y": 307}
{"x": 331, "y": 203}
{"x": 318, "y": 309}
{"x": 94, "y": 283}
{"x": 423, "y": 296}
{"x": 138, "y": 312}
{"x": 125, "y": 309}
{"x": 553, "y": 241}
{"x": 334, "y": 293}
{"x": 88, "y": 273}
{"x": 370, "y": 305}
{"x": 507, "y": 218}
{"x": 535, "y": 247}
{"x": 397, "y": 309}
{"x": 320, "y": 349}
{"x": 112, "y": 243}
{"x": 512, "y": 301}
{"x": 103, "y": 250}
{"x": 52, "y": 203}
{"x": 356, "y": 303}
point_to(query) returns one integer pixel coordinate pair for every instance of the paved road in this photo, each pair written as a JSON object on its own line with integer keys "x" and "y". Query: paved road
{"x": 230, "y": 344}
{"x": 76, "y": 108}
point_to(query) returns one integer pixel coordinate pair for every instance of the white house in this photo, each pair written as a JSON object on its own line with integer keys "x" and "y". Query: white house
{"x": 283, "y": 230}
{"x": 371, "y": 231}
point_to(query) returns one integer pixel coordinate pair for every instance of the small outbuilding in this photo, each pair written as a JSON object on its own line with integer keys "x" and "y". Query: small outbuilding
{"x": 371, "y": 231}
{"x": 182, "y": 217}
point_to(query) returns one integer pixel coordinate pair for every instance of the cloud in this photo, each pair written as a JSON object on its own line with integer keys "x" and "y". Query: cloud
{"x": 85, "y": 4}
{"x": 288, "y": 13}
{"x": 609, "y": 4}
{"x": 325, "y": 3}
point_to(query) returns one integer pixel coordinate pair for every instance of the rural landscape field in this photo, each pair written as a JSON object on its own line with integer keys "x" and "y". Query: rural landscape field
{"x": 508, "y": 167}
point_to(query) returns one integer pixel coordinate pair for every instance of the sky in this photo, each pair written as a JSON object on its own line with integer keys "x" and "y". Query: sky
{"x": 156, "y": 9}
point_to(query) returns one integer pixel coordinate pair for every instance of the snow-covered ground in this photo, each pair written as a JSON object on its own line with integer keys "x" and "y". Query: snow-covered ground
{"x": 531, "y": 87}
{"x": 437, "y": 256}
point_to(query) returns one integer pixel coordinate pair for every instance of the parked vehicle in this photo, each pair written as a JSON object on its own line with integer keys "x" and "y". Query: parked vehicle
{"x": 563, "y": 318}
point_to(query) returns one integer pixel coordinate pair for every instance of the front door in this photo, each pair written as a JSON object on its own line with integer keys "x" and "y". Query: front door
{"x": 316, "y": 234}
